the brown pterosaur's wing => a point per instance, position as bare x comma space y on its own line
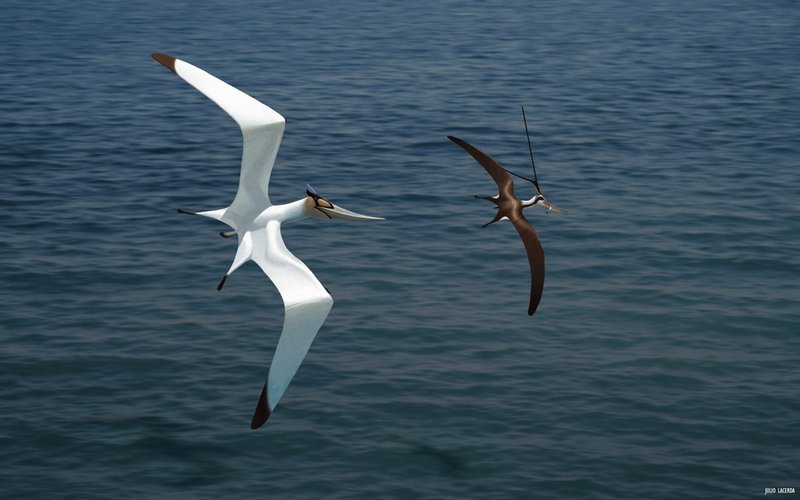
535, 252
505, 184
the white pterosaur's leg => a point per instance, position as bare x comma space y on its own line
243, 254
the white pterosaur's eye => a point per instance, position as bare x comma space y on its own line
322, 202
319, 201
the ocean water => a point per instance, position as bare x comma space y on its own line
663, 359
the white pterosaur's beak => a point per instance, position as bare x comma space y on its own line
317, 206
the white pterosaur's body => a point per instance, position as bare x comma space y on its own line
257, 223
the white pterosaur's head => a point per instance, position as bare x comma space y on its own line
317, 206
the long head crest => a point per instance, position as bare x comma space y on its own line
530, 150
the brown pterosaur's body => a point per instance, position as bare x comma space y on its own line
510, 207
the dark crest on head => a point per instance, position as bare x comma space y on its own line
320, 203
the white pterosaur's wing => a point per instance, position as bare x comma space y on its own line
262, 130
307, 305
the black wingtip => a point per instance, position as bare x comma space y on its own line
167, 61
532, 307
186, 212
222, 283
262, 412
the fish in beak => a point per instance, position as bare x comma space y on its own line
317, 206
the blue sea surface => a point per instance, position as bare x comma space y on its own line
663, 359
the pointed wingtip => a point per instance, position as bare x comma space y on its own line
534, 304
167, 61
222, 283
262, 412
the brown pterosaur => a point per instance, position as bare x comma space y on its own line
510, 208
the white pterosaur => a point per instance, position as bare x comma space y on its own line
257, 223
